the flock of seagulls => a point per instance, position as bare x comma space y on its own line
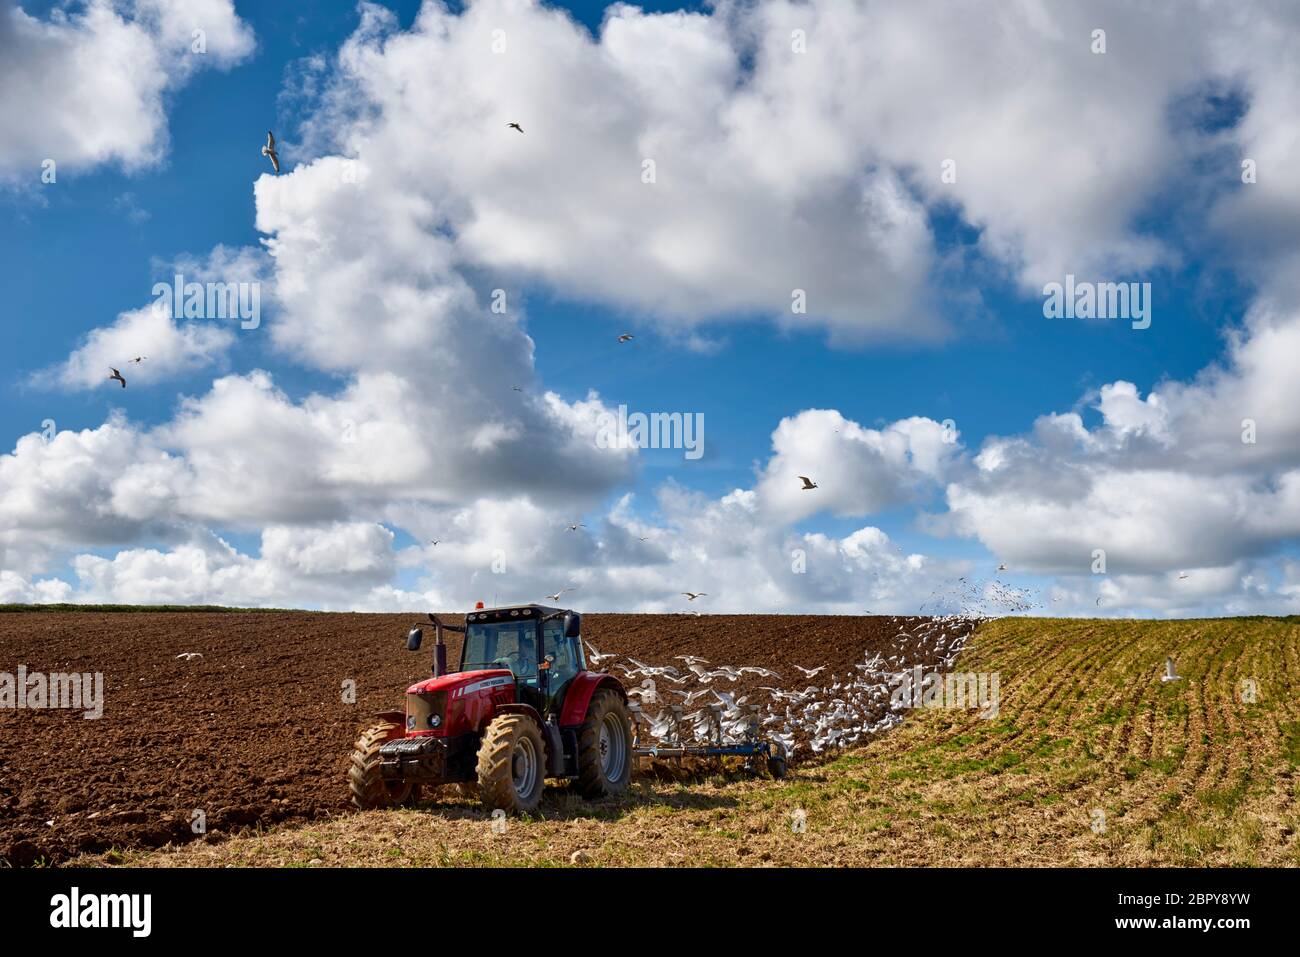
845, 710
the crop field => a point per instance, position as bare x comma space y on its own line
1090, 759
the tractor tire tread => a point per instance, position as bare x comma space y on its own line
591, 781
495, 787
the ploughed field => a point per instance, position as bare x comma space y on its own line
256, 732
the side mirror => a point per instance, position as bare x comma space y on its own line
572, 624
414, 639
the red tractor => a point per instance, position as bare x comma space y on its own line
521, 708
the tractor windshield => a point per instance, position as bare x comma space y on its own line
505, 644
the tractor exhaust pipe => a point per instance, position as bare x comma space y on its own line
440, 646
439, 652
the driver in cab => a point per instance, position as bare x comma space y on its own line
522, 658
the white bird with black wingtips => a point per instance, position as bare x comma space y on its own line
269, 151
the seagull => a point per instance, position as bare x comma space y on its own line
433, 541
625, 337
662, 726
596, 656
574, 528
810, 672
269, 151
645, 538
118, 377
1002, 568
692, 595
139, 359
1170, 673
691, 659
556, 596
1182, 575
187, 655
807, 483
514, 126
690, 697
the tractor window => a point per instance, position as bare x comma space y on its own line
501, 645
568, 655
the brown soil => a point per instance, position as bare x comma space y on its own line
256, 732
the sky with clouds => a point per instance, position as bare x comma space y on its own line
828, 227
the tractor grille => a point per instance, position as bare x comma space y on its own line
426, 711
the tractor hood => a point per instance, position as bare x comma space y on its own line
464, 682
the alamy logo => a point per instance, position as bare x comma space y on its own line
658, 430
915, 689
1098, 300
37, 691
210, 300
74, 909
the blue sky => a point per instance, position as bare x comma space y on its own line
81, 252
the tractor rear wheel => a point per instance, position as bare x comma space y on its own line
605, 747
369, 790
512, 764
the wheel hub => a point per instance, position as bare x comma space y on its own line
612, 747
523, 767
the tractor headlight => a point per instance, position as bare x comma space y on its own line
410, 722
435, 720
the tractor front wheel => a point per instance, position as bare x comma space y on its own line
369, 790
605, 747
512, 764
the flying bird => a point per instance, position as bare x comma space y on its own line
1171, 674
187, 655
556, 596
575, 527
810, 672
692, 595
433, 541
691, 659
595, 656
807, 483
1002, 568
1182, 575
626, 337
515, 126
117, 376
269, 151
139, 358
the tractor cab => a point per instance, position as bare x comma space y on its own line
540, 646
